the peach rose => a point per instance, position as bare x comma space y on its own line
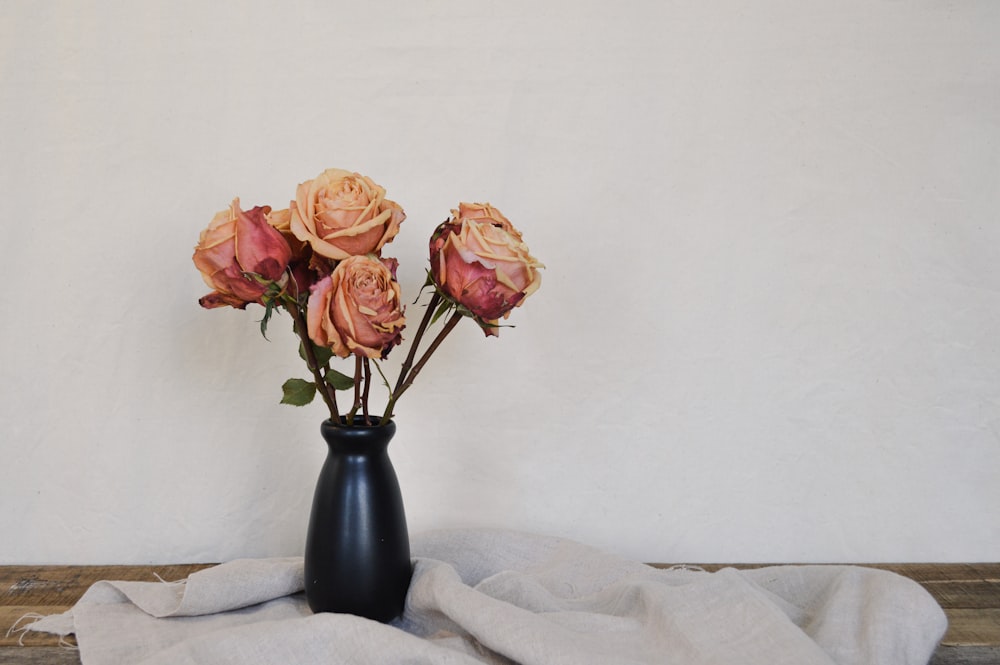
356, 309
236, 243
299, 265
282, 221
344, 214
479, 260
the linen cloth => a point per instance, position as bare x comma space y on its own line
500, 597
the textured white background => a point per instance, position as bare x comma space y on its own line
768, 330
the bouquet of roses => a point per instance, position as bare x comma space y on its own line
321, 261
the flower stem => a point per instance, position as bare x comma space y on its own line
412, 375
408, 363
357, 390
301, 328
364, 396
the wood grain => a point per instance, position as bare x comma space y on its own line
45, 655
45, 590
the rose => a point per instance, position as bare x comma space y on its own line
282, 221
236, 243
344, 214
356, 309
299, 265
479, 261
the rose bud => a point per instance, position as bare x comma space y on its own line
237, 242
342, 214
356, 309
479, 261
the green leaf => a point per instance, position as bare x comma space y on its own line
298, 392
268, 311
323, 354
339, 381
442, 309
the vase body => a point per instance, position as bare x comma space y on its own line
357, 557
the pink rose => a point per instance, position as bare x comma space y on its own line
344, 214
479, 260
299, 265
235, 243
356, 309
282, 221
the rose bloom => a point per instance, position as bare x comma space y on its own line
282, 221
344, 214
479, 260
238, 242
300, 264
356, 309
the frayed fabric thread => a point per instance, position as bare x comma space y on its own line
35, 618
35, 622
180, 582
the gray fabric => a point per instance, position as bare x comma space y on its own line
481, 596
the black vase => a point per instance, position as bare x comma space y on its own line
357, 558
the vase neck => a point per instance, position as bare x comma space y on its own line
357, 440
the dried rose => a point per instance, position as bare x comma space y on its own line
282, 221
479, 260
344, 214
235, 244
299, 265
356, 309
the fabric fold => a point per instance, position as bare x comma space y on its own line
500, 597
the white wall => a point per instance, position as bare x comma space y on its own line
768, 330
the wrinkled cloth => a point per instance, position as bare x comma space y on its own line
500, 597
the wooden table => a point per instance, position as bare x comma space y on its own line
969, 594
